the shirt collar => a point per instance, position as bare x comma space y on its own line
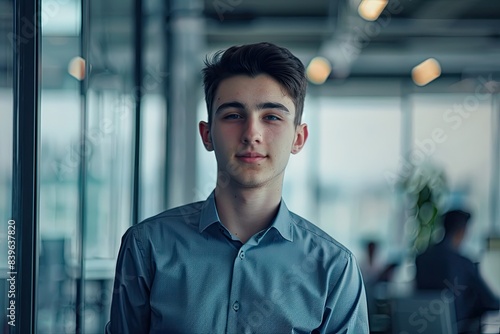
282, 222
209, 213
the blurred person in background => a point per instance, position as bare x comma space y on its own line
442, 267
377, 274
371, 265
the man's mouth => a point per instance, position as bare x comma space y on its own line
250, 157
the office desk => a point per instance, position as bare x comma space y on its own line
490, 271
100, 274
490, 323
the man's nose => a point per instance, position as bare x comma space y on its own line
252, 133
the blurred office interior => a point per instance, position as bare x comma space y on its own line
100, 100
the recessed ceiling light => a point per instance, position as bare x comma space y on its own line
318, 70
370, 10
426, 71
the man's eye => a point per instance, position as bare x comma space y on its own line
272, 118
232, 116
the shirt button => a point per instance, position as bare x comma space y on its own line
242, 255
236, 306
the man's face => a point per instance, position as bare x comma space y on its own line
252, 131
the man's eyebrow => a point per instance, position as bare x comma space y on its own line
233, 104
260, 106
273, 105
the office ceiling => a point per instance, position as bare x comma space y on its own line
463, 35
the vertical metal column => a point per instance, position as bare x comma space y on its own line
495, 167
138, 50
25, 185
167, 10
82, 175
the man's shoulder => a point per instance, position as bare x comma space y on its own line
443, 253
188, 214
463, 261
308, 230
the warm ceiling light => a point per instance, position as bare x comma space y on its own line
370, 10
318, 70
76, 68
426, 72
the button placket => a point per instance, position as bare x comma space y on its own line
234, 309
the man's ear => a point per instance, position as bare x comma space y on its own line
301, 134
206, 138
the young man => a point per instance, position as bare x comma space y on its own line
241, 262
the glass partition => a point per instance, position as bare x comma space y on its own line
60, 152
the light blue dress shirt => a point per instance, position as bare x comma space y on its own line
183, 272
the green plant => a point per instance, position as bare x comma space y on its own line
425, 189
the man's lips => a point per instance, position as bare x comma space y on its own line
250, 157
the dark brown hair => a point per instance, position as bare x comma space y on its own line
252, 60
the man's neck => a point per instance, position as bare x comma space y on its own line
244, 212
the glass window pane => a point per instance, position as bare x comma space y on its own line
454, 133
359, 143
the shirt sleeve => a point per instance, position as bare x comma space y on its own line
130, 308
346, 309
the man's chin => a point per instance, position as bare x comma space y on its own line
250, 182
